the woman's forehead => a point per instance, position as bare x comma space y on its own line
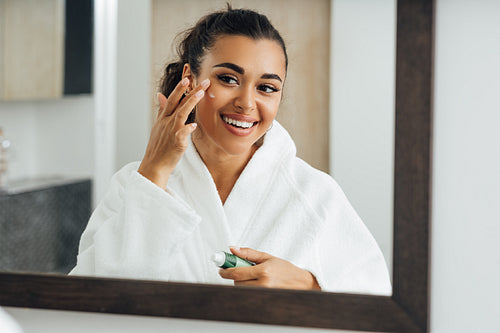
263, 55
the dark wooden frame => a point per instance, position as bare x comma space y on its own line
407, 310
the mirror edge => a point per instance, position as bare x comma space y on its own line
413, 165
407, 310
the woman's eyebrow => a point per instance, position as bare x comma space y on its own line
232, 66
271, 76
240, 70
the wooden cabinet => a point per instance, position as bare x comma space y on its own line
32, 42
45, 48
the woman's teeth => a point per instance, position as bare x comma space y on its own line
237, 123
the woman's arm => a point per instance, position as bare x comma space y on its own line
139, 227
136, 231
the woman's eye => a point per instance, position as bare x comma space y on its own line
267, 89
227, 79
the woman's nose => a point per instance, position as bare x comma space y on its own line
245, 100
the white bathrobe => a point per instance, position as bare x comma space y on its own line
279, 205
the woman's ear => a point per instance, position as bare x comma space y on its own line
186, 72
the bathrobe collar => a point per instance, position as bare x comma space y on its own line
250, 189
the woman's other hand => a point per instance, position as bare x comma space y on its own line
269, 271
169, 135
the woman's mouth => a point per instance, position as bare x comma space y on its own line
238, 123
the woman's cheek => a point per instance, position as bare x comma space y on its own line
270, 109
210, 94
216, 98
207, 103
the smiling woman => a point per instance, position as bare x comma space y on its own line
230, 177
246, 100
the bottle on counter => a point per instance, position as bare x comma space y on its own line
4, 158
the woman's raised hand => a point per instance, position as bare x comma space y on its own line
269, 271
169, 136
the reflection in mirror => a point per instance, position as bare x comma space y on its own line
46, 53
306, 127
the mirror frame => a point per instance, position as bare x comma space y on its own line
407, 310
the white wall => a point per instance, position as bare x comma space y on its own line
362, 111
465, 267
45, 321
133, 80
466, 190
17, 120
65, 136
50, 137
122, 81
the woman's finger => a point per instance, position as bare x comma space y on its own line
188, 103
249, 283
175, 97
162, 101
250, 254
181, 137
240, 273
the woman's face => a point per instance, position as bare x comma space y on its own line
246, 81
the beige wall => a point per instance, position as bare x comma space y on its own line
305, 27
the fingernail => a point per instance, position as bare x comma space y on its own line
200, 93
237, 248
184, 81
205, 83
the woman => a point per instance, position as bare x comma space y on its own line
219, 170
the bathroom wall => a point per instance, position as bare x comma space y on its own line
50, 137
122, 86
18, 121
466, 220
133, 90
362, 95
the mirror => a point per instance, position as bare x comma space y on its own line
406, 310
307, 87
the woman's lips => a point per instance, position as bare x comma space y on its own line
238, 124
240, 117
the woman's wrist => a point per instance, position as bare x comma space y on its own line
155, 175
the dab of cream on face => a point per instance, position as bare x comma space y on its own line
211, 95
229, 260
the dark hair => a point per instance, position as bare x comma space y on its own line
197, 40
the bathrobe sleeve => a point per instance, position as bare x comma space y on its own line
347, 257
137, 231
351, 260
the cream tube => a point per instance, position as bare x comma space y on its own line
229, 260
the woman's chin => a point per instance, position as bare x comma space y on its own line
238, 149
241, 147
